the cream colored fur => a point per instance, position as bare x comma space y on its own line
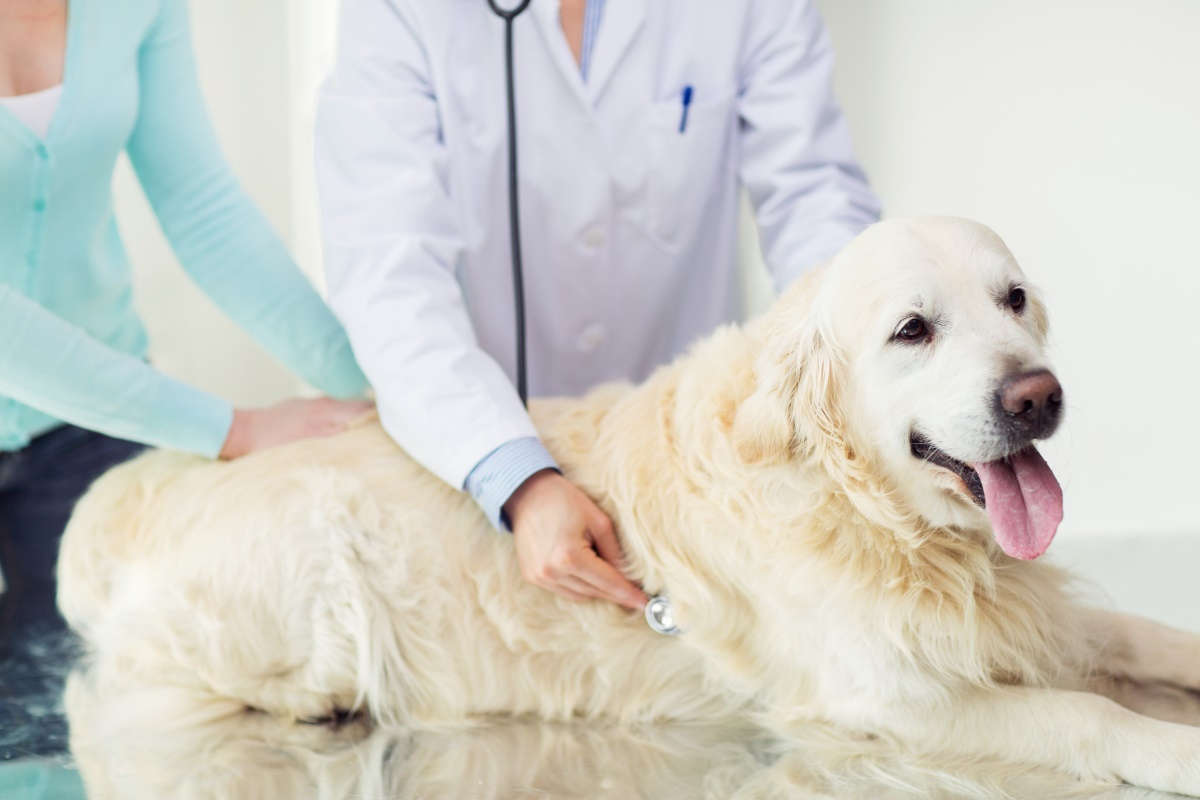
823, 576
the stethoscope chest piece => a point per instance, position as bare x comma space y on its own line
660, 617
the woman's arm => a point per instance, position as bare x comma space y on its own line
221, 238
55, 367
51, 365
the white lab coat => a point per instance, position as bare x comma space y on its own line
629, 225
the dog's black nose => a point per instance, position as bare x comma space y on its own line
1032, 403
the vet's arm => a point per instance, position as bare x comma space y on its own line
392, 246
809, 193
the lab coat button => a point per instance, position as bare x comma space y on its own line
595, 238
43, 153
591, 337
39, 205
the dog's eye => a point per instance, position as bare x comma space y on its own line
1016, 299
913, 330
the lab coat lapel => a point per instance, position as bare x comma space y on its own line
550, 26
623, 20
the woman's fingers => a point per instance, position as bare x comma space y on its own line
290, 421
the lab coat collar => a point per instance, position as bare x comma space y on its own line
619, 28
622, 22
546, 14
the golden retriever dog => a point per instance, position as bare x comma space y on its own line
842, 499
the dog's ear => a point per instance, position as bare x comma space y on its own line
820, 416
763, 428
795, 397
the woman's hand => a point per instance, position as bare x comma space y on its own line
566, 544
289, 421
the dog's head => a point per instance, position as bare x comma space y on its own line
917, 373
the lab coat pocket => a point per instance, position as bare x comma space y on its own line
691, 157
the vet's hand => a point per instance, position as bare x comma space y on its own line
566, 544
289, 421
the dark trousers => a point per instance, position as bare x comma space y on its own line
39, 486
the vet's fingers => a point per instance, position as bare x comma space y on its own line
605, 540
609, 549
608, 583
578, 588
577, 591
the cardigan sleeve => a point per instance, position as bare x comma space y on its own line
220, 237
54, 366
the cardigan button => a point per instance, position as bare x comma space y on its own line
39, 205
42, 152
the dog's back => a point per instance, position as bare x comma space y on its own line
336, 574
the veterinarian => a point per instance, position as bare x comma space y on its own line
76, 393
639, 123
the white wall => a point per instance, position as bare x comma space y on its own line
1069, 126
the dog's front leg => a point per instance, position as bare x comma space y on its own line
1080, 733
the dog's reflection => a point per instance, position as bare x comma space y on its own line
148, 752
248, 755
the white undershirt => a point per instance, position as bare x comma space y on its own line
35, 110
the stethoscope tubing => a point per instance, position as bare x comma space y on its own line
514, 205
508, 16
658, 612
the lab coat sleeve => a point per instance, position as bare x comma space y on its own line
393, 244
221, 238
809, 193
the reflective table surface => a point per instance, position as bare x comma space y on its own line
253, 756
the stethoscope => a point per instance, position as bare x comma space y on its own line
658, 611
514, 206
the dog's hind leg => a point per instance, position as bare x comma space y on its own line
1146, 652
1158, 700
141, 742
1080, 733
1147, 667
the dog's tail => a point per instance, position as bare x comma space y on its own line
107, 531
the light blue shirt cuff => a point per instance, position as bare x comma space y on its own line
501, 472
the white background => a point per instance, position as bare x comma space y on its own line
1072, 127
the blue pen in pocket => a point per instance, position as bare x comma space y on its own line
687, 103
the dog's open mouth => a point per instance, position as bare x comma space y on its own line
1022, 497
924, 449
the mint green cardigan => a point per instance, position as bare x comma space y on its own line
71, 345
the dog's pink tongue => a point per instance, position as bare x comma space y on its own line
1024, 502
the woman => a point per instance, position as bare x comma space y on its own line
79, 83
